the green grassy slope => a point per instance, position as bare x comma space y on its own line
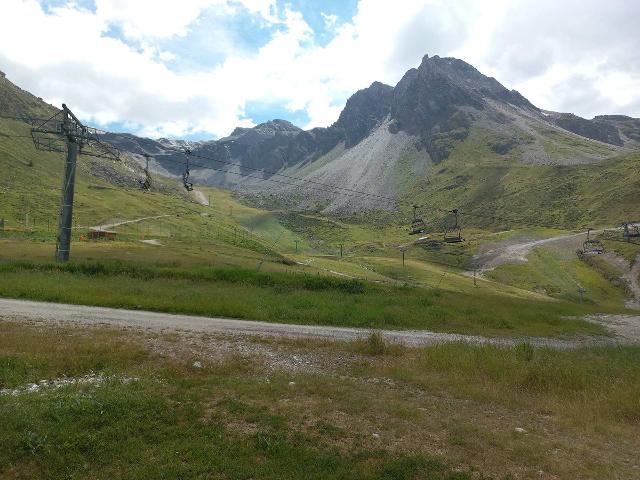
30, 187
500, 192
229, 233
232, 234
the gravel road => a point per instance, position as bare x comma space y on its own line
626, 328
633, 276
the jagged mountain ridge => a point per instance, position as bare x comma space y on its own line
437, 105
421, 137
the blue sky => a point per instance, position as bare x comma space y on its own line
248, 32
196, 69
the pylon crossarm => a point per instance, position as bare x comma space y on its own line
96, 148
51, 134
49, 143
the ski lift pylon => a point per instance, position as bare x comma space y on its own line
185, 176
146, 183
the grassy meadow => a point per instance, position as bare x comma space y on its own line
500, 192
291, 298
361, 410
437, 291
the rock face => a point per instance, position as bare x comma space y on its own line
437, 101
250, 137
363, 112
596, 129
628, 128
263, 146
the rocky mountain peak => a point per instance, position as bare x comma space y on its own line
460, 74
262, 132
364, 110
439, 100
435, 107
277, 126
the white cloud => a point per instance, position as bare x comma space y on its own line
150, 18
166, 56
159, 19
576, 65
330, 21
581, 56
364, 50
107, 80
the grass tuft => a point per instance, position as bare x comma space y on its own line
376, 344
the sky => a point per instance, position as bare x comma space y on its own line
196, 69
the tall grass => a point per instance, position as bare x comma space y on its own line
594, 384
210, 274
289, 298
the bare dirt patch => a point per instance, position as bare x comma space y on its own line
633, 277
515, 250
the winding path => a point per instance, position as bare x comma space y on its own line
515, 251
633, 277
107, 226
626, 328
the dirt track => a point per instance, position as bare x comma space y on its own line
633, 277
626, 328
516, 250
107, 226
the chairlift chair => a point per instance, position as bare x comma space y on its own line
631, 229
448, 237
417, 224
592, 246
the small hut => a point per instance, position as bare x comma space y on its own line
102, 235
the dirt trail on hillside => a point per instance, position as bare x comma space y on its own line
107, 226
200, 198
516, 250
630, 274
625, 328
633, 277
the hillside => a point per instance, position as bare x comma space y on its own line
15, 101
108, 193
444, 137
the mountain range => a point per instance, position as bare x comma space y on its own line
445, 135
